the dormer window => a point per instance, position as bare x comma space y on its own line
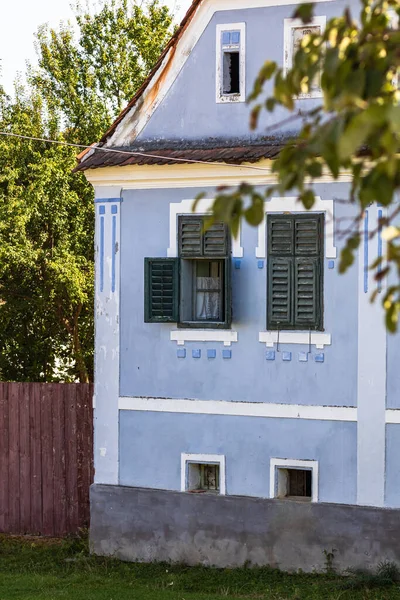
231, 63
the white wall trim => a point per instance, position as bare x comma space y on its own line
240, 409
183, 175
290, 24
184, 207
269, 338
220, 96
392, 416
292, 463
227, 336
371, 371
291, 204
139, 115
208, 459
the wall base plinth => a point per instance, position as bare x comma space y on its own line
147, 525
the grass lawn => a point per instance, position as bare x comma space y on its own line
35, 569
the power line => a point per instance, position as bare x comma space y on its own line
131, 152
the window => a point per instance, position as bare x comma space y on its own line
193, 290
230, 63
203, 478
295, 31
295, 484
295, 272
294, 479
203, 473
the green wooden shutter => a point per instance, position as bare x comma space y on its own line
279, 292
161, 290
216, 240
190, 234
308, 235
280, 236
307, 309
228, 292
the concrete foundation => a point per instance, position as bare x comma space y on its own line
227, 531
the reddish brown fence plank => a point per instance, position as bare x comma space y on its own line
46, 457
14, 499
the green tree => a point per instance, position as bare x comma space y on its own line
85, 75
355, 129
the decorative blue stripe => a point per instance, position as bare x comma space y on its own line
113, 252
101, 253
101, 200
379, 248
366, 252
102, 210
114, 210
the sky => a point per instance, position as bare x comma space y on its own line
19, 23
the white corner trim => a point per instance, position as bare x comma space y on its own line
184, 207
289, 463
208, 459
227, 336
138, 116
289, 25
239, 409
291, 204
392, 416
269, 338
220, 96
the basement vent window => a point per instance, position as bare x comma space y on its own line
231, 63
295, 484
294, 479
203, 473
203, 478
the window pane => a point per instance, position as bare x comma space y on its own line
226, 38
231, 73
208, 285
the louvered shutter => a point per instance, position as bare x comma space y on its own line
190, 236
279, 292
161, 290
280, 236
307, 309
217, 240
307, 236
228, 292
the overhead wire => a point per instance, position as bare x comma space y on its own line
132, 152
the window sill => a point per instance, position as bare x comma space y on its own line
180, 336
318, 339
231, 98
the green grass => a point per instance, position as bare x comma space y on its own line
35, 569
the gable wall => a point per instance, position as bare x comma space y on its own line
190, 110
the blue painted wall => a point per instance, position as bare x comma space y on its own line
149, 363
392, 482
190, 111
151, 445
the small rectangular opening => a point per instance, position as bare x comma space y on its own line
203, 478
295, 484
231, 73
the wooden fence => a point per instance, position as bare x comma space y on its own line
46, 457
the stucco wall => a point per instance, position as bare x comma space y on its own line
149, 363
151, 445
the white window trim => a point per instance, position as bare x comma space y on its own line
317, 339
289, 463
289, 24
180, 336
241, 97
291, 204
207, 459
184, 207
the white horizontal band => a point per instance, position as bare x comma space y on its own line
242, 409
295, 337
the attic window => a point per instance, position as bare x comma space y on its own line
294, 32
230, 63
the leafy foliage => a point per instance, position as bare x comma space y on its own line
46, 211
355, 129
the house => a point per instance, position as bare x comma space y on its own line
246, 394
